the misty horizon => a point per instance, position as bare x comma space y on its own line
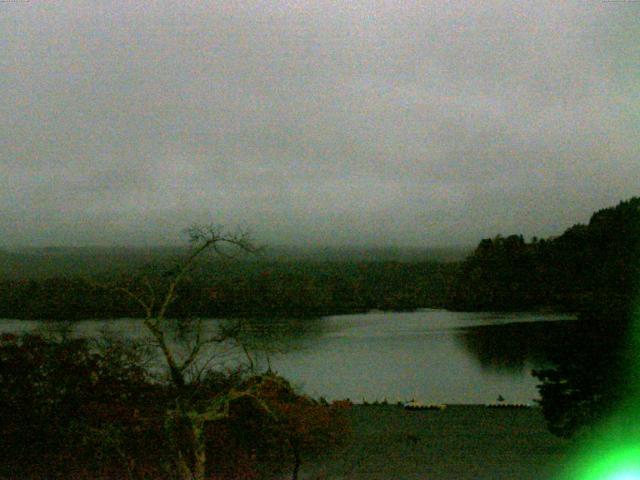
314, 123
181, 242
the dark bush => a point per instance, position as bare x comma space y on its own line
70, 408
67, 408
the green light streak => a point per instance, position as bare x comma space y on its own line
625, 475
612, 451
617, 463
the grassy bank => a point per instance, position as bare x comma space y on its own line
457, 443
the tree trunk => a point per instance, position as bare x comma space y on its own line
193, 465
184, 471
199, 452
297, 461
190, 446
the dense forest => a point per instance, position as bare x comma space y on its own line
587, 267
242, 289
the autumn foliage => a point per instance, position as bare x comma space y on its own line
69, 409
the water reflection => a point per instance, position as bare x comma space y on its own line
515, 347
433, 355
261, 339
282, 335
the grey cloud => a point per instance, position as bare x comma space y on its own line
368, 121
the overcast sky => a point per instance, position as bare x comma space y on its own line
314, 121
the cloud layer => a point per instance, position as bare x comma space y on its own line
314, 121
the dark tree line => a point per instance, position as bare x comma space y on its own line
244, 289
593, 270
585, 268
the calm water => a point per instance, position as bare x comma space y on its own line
430, 355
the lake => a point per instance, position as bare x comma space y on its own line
434, 356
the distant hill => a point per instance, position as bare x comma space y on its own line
47, 262
369, 254
35, 263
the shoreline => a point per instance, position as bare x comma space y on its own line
459, 442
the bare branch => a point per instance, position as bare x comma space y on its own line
152, 292
116, 288
168, 299
201, 369
155, 299
195, 350
249, 357
147, 308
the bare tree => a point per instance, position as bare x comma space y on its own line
155, 297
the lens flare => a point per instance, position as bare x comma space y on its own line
622, 464
626, 475
612, 451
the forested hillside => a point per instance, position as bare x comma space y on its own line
590, 269
588, 266
247, 289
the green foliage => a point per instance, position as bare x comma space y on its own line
592, 372
498, 276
